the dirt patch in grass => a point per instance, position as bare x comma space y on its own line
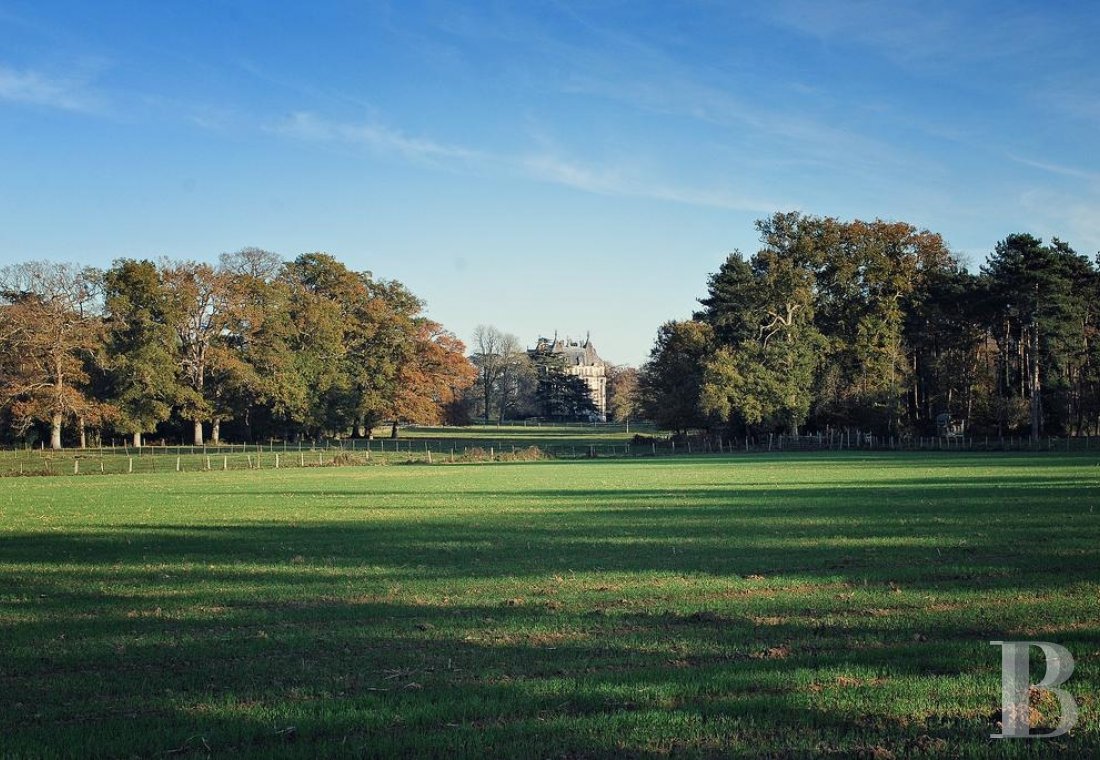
781, 652
770, 592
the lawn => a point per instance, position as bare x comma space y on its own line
797, 605
474, 442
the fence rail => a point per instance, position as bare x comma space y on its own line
351, 452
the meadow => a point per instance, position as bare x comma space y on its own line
816, 604
414, 444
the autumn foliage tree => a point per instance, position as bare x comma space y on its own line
435, 375
301, 348
52, 331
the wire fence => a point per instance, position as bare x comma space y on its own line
839, 440
126, 460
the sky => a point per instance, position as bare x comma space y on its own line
539, 166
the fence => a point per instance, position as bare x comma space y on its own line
839, 440
224, 457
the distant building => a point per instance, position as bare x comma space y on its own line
580, 359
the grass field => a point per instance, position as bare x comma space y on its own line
818, 604
533, 434
417, 444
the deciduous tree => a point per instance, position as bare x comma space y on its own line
140, 347
53, 329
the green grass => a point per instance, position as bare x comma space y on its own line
784, 606
533, 434
445, 444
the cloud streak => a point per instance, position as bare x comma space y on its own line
34, 88
616, 182
1062, 171
303, 125
542, 166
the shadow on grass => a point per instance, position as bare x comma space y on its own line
707, 620
1022, 532
275, 678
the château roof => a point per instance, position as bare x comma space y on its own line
577, 353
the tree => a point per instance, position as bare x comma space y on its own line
560, 395
384, 360
860, 275
391, 355
53, 330
622, 393
307, 346
433, 377
367, 331
198, 309
946, 332
669, 384
315, 393
1040, 295
515, 370
141, 362
764, 370
865, 273
258, 371
732, 302
502, 369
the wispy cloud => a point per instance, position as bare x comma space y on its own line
541, 166
647, 74
303, 125
1063, 171
928, 36
618, 182
35, 88
787, 134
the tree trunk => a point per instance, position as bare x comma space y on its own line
198, 432
83, 432
393, 430
1036, 392
55, 431
137, 439
216, 432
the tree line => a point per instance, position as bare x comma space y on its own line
878, 326
265, 347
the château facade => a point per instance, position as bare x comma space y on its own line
581, 360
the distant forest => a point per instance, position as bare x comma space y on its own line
877, 326
831, 325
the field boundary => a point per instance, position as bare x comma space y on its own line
123, 460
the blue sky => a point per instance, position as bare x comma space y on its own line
538, 166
